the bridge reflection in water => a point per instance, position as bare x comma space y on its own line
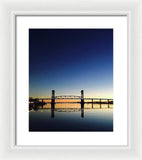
71, 117
39, 103
53, 109
53, 113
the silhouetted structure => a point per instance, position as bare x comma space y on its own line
40, 101
92, 103
100, 103
53, 99
82, 99
108, 103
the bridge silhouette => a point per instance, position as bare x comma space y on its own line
82, 99
67, 97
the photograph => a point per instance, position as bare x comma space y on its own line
71, 80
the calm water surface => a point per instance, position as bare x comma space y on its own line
70, 117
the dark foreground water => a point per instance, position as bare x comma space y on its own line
70, 117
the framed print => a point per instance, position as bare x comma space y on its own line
70, 79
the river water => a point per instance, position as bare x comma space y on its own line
71, 118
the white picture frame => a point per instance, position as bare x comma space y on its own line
119, 136
7, 61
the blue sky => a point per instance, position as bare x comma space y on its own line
69, 60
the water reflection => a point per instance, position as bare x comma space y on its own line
36, 108
55, 107
52, 112
82, 112
65, 110
71, 117
68, 105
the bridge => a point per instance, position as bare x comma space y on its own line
67, 97
81, 98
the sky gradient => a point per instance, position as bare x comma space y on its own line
69, 60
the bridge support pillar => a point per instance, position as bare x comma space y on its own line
108, 103
82, 98
53, 99
35, 102
42, 104
92, 103
100, 103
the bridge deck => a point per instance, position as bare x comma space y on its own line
72, 98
